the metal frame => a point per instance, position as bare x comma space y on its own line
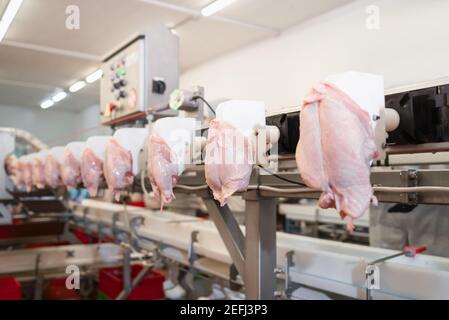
260, 247
316, 263
254, 254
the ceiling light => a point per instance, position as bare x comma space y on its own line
47, 104
8, 16
215, 6
77, 86
59, 96
94, 76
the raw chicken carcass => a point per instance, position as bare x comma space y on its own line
335, 150
19, 181
27, 170
162, 169
117, 167
91, 171
70, 170
38, 172
13, 168
52, 172
229, 160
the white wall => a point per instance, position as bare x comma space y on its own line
89, 123
411, 46
54, 127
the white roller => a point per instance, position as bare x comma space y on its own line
392, 119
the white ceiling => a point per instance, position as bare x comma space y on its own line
39, 55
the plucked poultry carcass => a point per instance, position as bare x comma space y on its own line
229, 160
70, 170
13, 168
117, 167
91, 171
162, 169
335, 150
38, 171
27, 171
52, 171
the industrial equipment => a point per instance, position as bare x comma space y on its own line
255, 259
139, 76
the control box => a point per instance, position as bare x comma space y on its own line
139, 76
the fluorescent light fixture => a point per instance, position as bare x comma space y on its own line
8, 16
47, 104
94, 76
215, 6
77, 86
59, 96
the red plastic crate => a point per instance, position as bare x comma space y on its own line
47, 244
150, 288
10, 289
56, 290
140, 204
84, 238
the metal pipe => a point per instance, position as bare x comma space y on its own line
418, 148
127, 286
137, 280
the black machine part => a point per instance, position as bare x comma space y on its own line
424, 115
288, 124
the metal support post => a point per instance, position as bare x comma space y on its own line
127, 270
230, 232
115, 231
137, 280
260, 247
39, 279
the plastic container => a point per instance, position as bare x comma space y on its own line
56, 290
110, 284
84, 237
47, 244
10, 289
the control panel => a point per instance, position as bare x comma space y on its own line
122, 87
139, 76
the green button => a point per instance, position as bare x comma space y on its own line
122, 71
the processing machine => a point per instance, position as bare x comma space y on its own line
252, 260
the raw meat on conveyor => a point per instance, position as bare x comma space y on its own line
70, 170
118, 166
52, 172
27, 169
335, 150
229, 160
19, 175
14, 170
38, 172
91, 171
162, 169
